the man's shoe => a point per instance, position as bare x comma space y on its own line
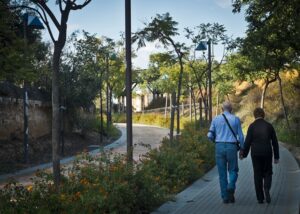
268, 197
230, 193
260, 201
225, 201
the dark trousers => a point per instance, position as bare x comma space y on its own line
262, 167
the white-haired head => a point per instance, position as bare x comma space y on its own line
227, 106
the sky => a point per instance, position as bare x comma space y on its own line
107, 18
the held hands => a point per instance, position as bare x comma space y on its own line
241, 154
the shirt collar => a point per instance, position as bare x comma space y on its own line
226, 112
259, 118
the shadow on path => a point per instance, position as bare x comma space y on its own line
204, 195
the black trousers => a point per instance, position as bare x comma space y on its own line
262, 167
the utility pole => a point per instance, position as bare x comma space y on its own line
128, 80
209, 82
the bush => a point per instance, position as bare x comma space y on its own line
291, 136
107, 184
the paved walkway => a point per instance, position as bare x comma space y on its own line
204, 195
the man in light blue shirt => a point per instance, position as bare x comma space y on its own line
226, 150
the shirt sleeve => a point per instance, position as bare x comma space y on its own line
248, 141
240, 133
212, 131
275, 144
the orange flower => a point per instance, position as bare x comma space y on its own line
29, 188
84, 181
77, 195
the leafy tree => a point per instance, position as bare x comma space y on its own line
243, 69
214, 34
153, 76
80, 71
46, 14
198, 82
272, 36
162, 28
21, 57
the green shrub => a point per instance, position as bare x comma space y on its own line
291, 136
107, 184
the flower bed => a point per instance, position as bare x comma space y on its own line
107, 184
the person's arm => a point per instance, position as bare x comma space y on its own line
248, 141
275, 144
212, 132
240, 133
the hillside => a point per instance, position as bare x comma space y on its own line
248, 96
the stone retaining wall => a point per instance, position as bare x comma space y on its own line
11, 118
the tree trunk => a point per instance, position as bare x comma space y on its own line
217, 108
107, 92
190, 107
200, 109
58, 46
123, 103
228, 97
205, 101
55, 114
170, 98
173, 101
101, 112
282, 102
166, 106
110, 106
263, 94
178, 95
194, 103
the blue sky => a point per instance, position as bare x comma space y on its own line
106, 18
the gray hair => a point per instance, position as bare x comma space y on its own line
227, 106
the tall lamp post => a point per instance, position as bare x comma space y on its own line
128, 80
202, 46
32, 22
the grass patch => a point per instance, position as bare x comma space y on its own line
156, 119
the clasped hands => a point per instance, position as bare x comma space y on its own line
241, 155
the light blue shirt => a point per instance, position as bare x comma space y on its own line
220, 132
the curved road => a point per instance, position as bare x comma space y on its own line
144, 138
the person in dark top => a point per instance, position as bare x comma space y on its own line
262, 140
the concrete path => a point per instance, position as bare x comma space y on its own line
144, 138
204, 195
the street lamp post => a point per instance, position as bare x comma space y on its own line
209, 82
33, 22
128, 80
107, 92
202, 46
